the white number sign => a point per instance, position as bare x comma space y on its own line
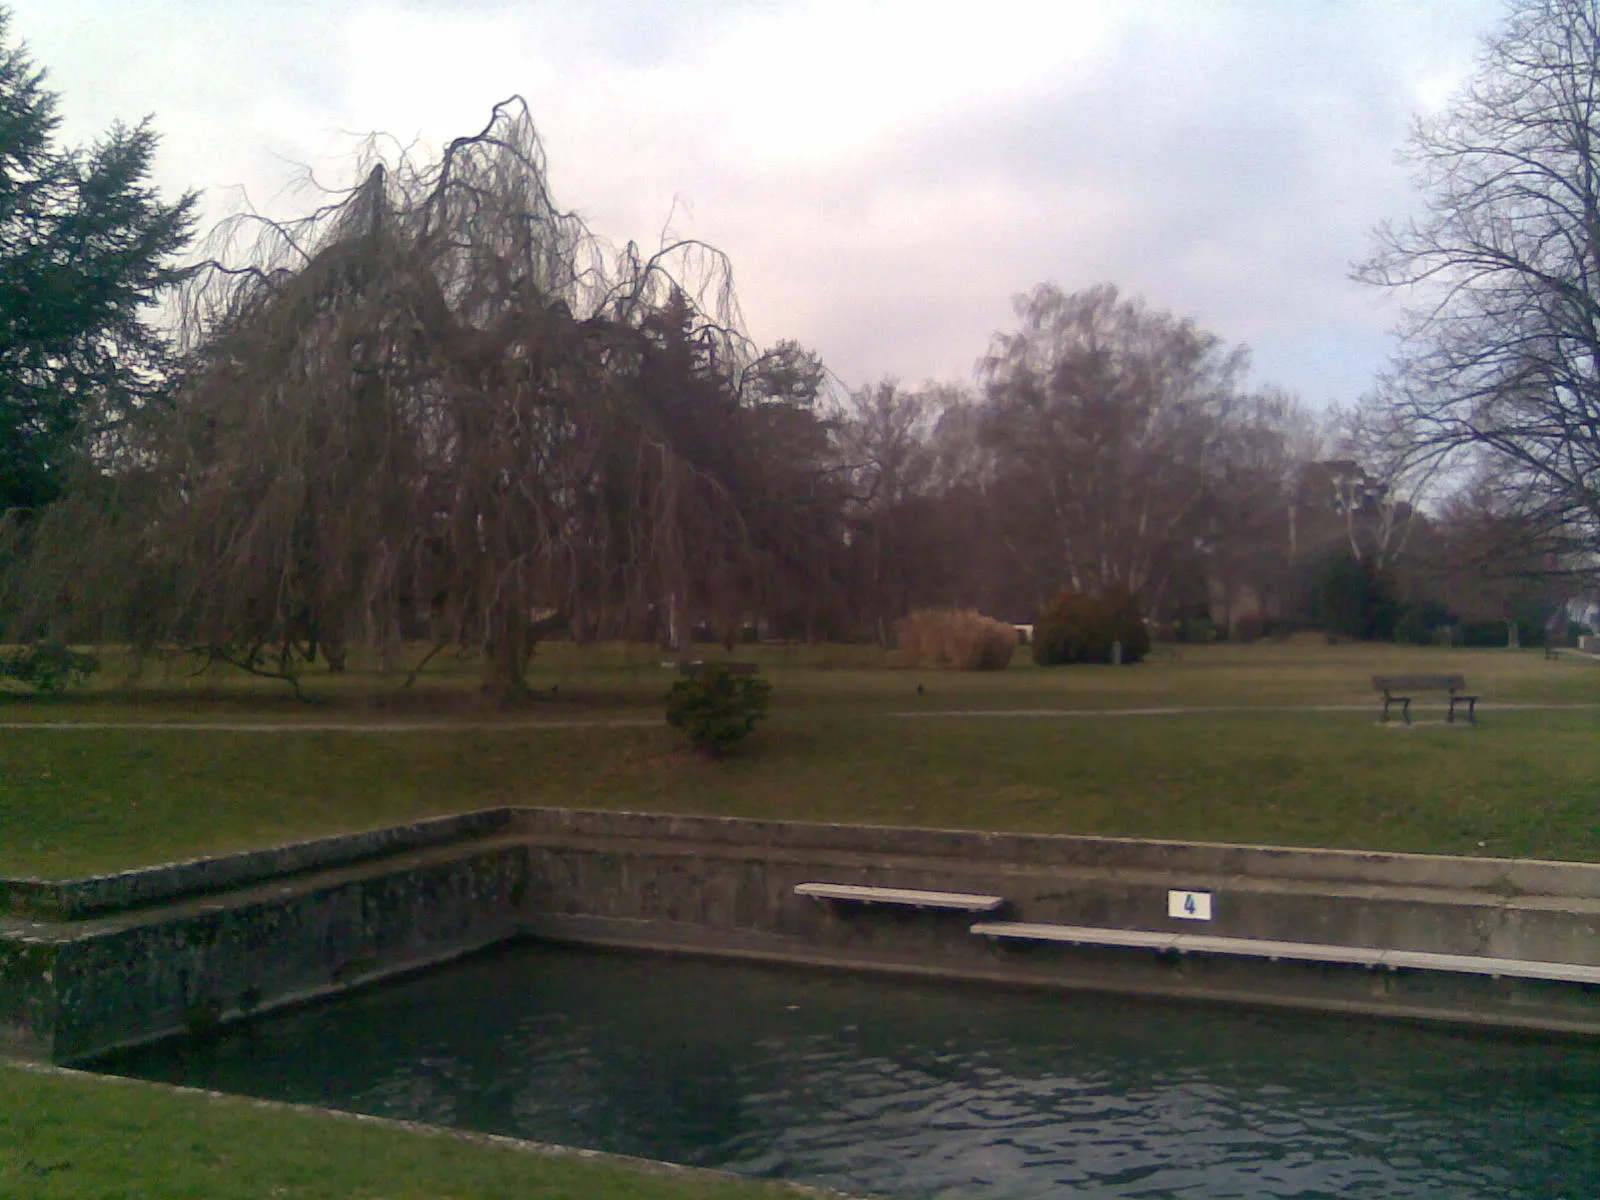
1189, 906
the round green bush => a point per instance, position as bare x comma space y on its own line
1079, 628
715, 708
48, 667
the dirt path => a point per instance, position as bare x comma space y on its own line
447, 726
340, 726
1196, 710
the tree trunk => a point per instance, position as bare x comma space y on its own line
333, 649
392, 656
509, 649
506, 651
680, 629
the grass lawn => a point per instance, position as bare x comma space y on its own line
1257, 763
1266, 768
573, 681
150, 1141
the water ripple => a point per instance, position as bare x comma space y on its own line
921, 1091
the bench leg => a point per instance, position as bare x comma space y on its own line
1406, 709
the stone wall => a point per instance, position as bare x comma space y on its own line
726, 887
77, 988
89, 967
121, 890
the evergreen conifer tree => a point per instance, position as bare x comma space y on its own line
86, 247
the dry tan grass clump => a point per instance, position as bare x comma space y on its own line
954, 639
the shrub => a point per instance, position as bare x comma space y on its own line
956, 639
1356, 598
1496, 633
1078, 628
48, 667
715, 708
1421, 622
1247, 629
1065, 629
1481, 633
1121, 608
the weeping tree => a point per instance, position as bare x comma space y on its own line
439, 402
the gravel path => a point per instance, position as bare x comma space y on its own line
1199, 709
340, 726
653, 722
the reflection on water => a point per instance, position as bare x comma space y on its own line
870, 1085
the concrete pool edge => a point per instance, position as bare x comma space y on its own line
117, 891
71, 988
604, 936
1499, 875
74, 897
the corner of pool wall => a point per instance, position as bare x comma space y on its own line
196, 945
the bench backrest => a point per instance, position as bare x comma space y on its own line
1419, 683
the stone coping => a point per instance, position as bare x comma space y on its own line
69, 899
1508, 877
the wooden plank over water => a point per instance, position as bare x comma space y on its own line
1078, 935
902, 897
1362, 956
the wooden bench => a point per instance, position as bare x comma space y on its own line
1400, 689
855, 893
1315, 952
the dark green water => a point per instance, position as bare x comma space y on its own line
919, 1090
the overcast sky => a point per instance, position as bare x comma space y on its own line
885, 177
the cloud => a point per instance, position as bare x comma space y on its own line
883, 176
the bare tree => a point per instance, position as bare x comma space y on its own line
438, 403
885, 442
1245, 549
1489, 563
1382, 474
1502, 351
1107, 421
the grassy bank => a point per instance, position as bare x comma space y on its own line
570, 681
1264, 768
1260, 752
150, 1141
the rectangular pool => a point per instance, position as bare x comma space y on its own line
913, 1089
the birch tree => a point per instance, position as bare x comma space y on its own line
1106, 421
